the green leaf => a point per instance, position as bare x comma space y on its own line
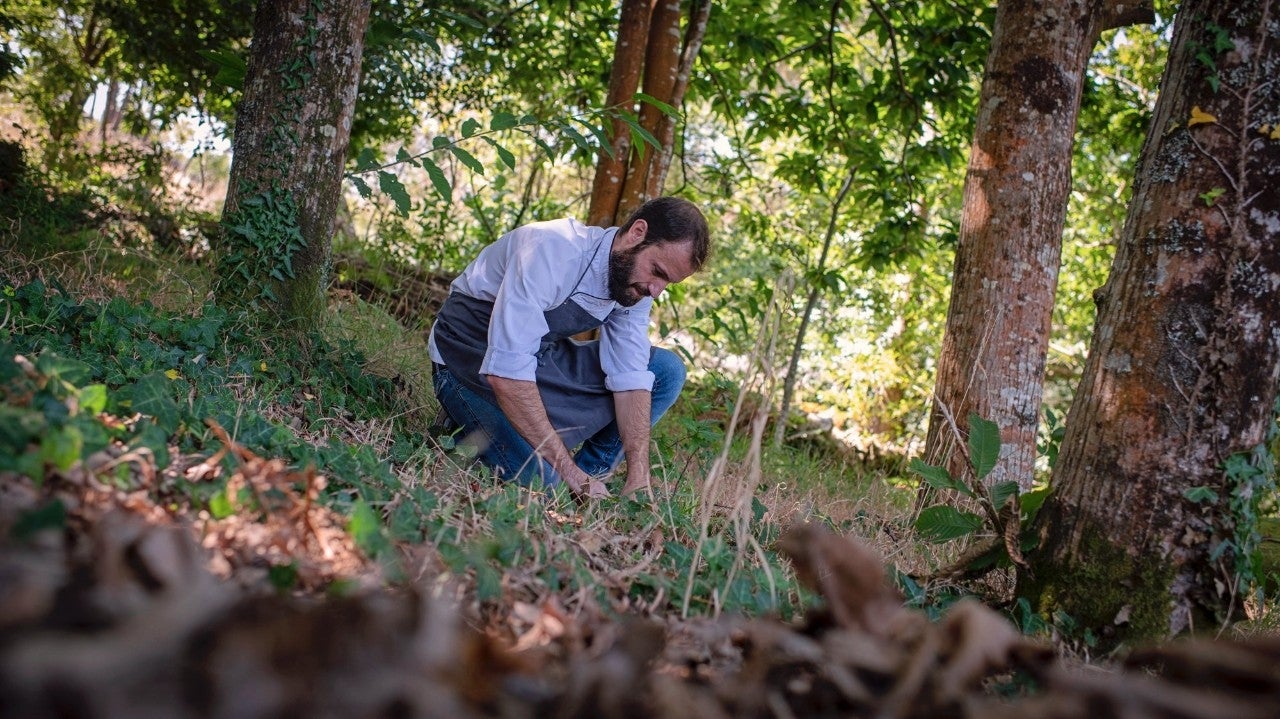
1201, 495
1002, 491
1032, 501
366, 160
467, 159
62, 447
18, 427
283, 577
637, 141
941, 523
390, 185
504, 154
577, 137
402, 155
154, 439
547, 149
984, 444
469, 127
938, 477
438, 180
63, 370
93, 399
666, 109
637, 130
51, 515
488, 582
220, 506
361, 186
1212, 196
152, 396
366, 529
602, 139
502, 120
231, 68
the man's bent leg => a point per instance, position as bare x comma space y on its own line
488, 431
602, 452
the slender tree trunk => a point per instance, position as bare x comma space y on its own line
1184, 360
695, 31
624, 80
648, 38
292, 131
661, 69
793, 365
1006, 270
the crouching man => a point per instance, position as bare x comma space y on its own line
507, 371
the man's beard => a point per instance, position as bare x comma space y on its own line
622, 265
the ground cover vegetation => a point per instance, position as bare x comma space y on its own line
162, 360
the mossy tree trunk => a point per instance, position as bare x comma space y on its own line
292, 131
1015, 198
1139, 538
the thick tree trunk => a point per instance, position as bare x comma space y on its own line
1183, 366
290, 147
1015, 198
624, 80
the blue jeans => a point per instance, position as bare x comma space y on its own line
496, 442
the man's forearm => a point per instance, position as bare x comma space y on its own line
520, 401
633, 408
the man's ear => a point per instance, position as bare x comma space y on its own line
635, 235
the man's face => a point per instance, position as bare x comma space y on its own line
645, 271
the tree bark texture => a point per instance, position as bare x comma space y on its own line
292, 130
635, 174
1183, 364
695, 31
661, 69
1015, 198
624, 80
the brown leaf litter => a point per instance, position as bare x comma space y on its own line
116, 615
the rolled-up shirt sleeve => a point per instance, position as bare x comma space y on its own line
624, 348
531, 285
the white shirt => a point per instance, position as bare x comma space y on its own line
535, 268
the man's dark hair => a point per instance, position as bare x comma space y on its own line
673, 220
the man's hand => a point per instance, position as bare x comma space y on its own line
635, 484
583, 485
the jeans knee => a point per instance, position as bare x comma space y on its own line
669, 375
667, 368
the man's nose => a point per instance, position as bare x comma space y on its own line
656, 287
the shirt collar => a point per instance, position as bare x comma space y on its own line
596, 280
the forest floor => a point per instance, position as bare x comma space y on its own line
286, 549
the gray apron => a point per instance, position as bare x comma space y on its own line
569, 375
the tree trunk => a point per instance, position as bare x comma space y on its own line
666, 131
1182, 370
624, 80
1015, 198
661, 68
290, 147
793, 364
648, 38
